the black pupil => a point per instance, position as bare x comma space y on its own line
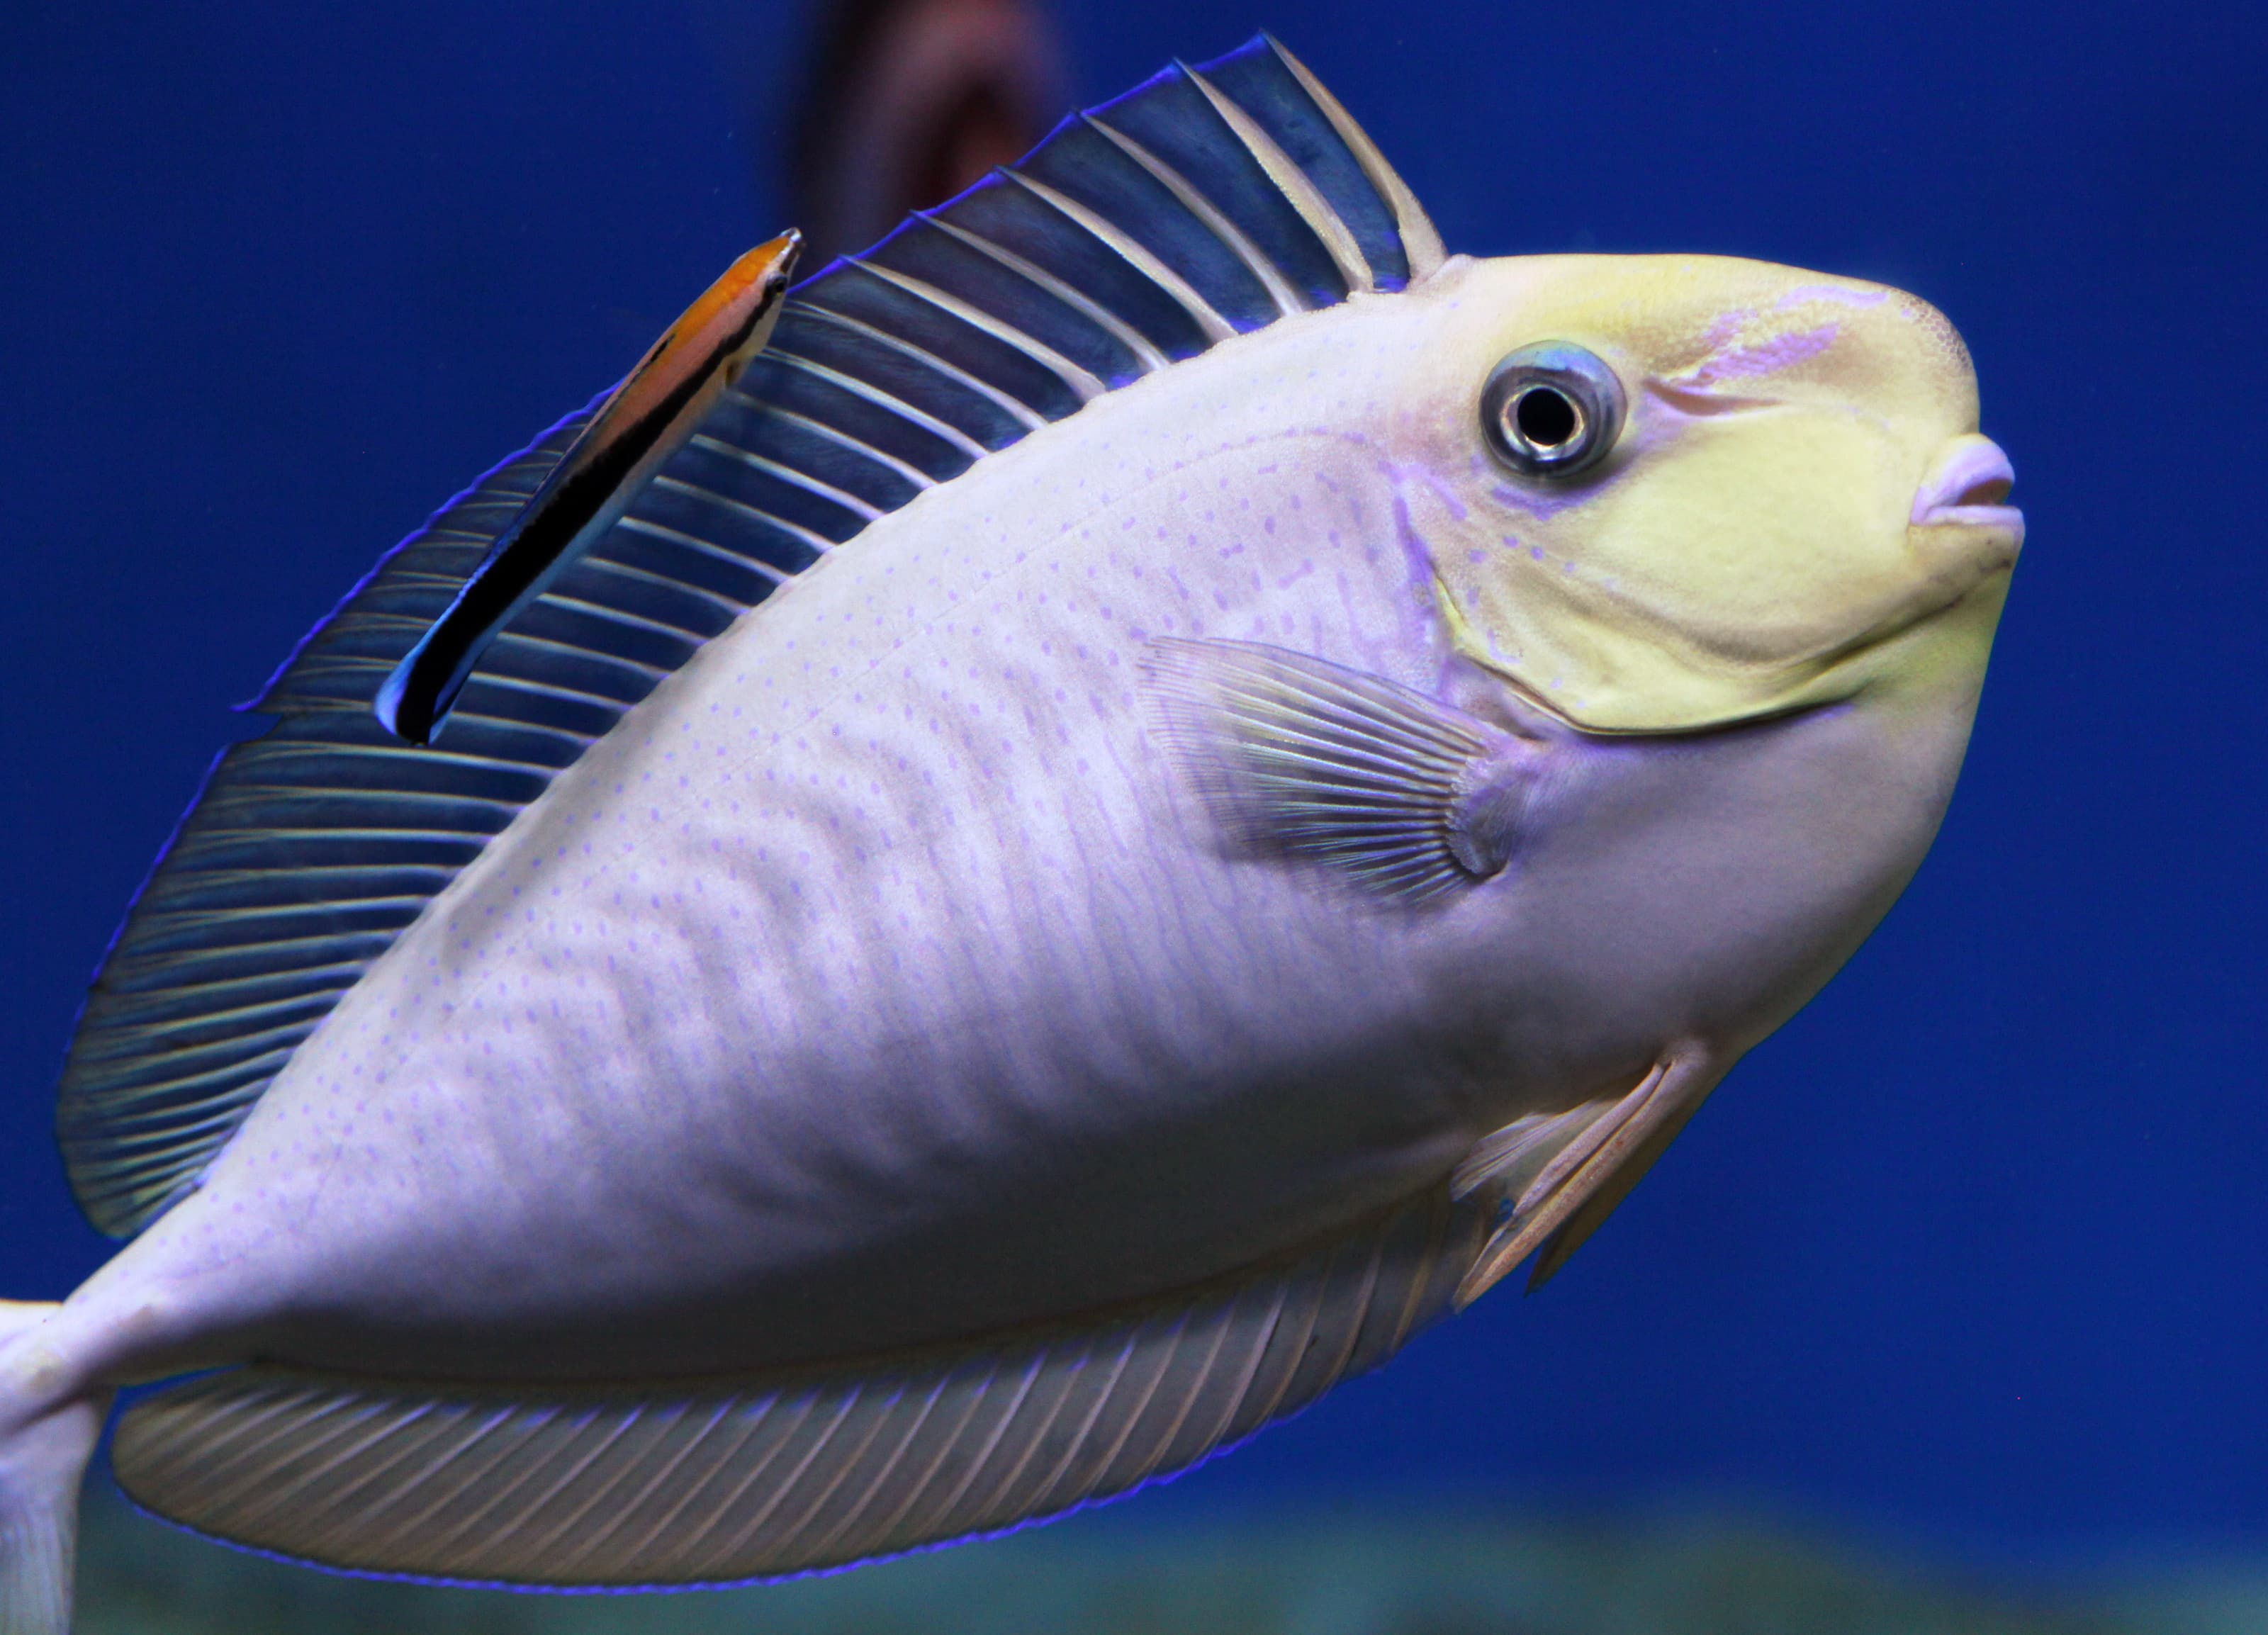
1545, 417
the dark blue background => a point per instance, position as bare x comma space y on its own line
1975, 1250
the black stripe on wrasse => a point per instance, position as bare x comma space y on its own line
585, 494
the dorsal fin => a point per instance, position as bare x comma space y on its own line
1205, 203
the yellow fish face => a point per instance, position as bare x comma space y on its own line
1672, 492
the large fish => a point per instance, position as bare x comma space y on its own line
1171, 783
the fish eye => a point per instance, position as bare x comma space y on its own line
1551, 410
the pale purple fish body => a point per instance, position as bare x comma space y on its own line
1124, 937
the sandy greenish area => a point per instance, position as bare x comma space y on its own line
1340, 1573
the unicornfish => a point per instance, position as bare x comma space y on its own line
1164, 782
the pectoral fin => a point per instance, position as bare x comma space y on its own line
1404, 796
1596, 1154
646, 420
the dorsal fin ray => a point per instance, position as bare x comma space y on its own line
1077, 270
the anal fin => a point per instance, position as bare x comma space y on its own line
713, 1482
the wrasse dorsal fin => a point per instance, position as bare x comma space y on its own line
707, 1482
1404, 796
308, 851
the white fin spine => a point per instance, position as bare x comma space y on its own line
1293, 183
1508, 1159
1134, 252
795, 531
692, 542
808, 483
1421, 241
1287, 299
881, 399
912, 475
1083, 383
1125, 333
1014, 408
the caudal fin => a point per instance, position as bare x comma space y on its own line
44, 1447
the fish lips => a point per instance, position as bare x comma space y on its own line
1966, 489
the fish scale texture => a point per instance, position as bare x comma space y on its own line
1206, 203
793, 1473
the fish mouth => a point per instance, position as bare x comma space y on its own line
1967, 487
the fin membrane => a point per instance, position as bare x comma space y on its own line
1404, 796
1555, 1178
718, 1483
1207, 203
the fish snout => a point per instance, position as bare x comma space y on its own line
1967, 487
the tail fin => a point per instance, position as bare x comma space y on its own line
44, 1447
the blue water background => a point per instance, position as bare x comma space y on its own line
1976, 1251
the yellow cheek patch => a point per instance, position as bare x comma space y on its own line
1749, 535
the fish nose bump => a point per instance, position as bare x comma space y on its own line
1968, 482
